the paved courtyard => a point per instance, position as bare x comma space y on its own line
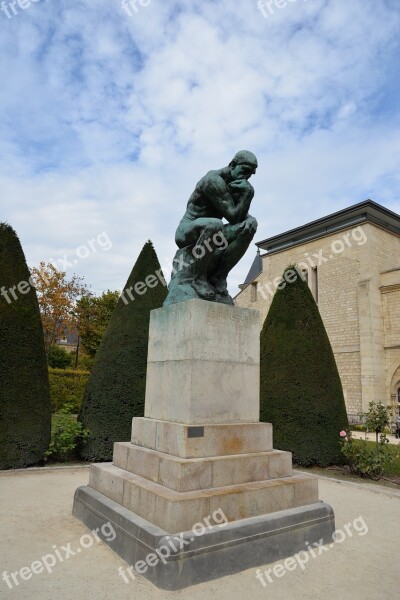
36, 521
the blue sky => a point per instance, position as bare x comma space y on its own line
108, 120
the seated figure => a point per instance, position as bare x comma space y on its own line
208, 247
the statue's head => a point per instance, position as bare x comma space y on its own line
243, 165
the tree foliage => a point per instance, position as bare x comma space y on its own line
25, 409
58, 295
116, 388
94, 313
377, 418
301, 391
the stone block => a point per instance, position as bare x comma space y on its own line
190, 474
175, 511
203, 364
214, 440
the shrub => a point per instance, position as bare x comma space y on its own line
85, 362
300, 389
59, 358
358, 428
25, 408
66, 433
377, 418
116, 388
366, 460
67, 388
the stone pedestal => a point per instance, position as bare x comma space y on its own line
203, 364
201, 451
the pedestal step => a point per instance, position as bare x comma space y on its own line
179, 511
190, 474
219, 551
187, 441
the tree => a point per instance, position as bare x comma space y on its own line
94, 313
25, 407
300, 388
377, 418
116, 388
58, 296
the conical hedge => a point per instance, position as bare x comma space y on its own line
300, 389
25, 407
116, 388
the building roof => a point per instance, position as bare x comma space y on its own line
255, 269
367, 211
70, 338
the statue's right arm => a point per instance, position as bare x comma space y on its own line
215, 189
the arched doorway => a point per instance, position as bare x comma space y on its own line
395, 386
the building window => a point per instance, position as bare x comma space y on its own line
314, 283
398, 395
253, 292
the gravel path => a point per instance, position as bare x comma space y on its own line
36, 520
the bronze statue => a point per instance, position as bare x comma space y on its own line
209, 248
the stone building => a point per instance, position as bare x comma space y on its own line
351, 260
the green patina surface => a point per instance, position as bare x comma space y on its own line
208, 247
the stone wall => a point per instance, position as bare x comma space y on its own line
348, 265
390, 289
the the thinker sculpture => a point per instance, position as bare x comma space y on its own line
209, 248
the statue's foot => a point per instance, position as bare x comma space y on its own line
220, 286
203, 289
226, 299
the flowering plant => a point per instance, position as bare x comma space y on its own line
363, 459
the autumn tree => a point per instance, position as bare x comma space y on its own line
93, 314
58, 296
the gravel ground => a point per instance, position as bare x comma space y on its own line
36, 520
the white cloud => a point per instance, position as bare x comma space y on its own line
108, 120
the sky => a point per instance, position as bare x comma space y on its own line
111, 113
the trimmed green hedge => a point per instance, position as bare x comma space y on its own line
67, 388
116, 388
25, 409
300, 389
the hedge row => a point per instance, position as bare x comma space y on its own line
25, 412
67, 388
300, 388
116, 389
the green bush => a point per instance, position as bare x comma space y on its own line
358, 428
66, 433
300, 389
67, 388
377, 418
59, 358
25, 409
367, 460
116, 388
85, 362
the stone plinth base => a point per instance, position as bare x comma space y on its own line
203, 364
199, 451
175, 562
